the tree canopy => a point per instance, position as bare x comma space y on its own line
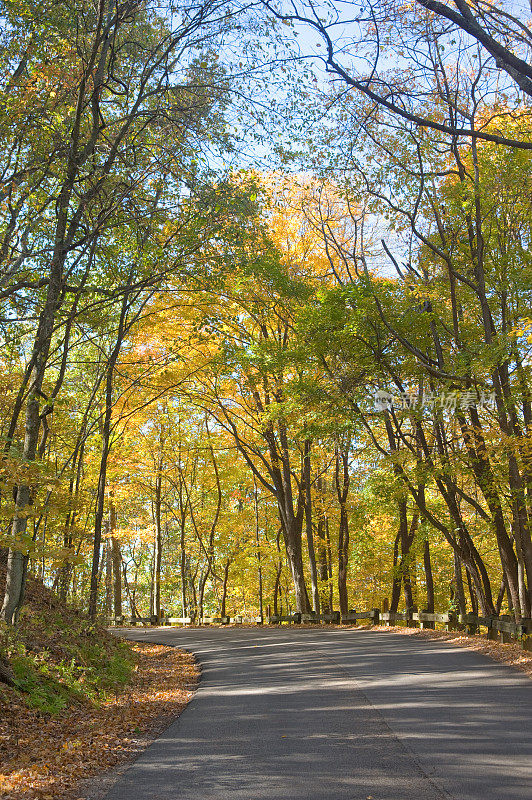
264, 301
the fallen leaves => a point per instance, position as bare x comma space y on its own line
46, 757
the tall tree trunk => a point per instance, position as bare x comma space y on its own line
292, 540
458, 537
277, 587
330, 563
472, 593
323, 567
342, 480
397, 580
183, 568
210, 544
404, 540
193, 594
17, 561
130, 594
224, 588
508, 595
106, 446
201, 593
459, 585
183, 510
257, 547
306, 470
407, 541
64, 233
277, 583
524, 597
64, 574
152, 587
157, 547
116, 559
106, 559
500, 598
429, 580
290, 513
486, 479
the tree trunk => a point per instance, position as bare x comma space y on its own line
401, 574
106, 445
484, 474
64, 574
17, 562
524, 598
183, 568
130, 594
407, 539
306, 470
342, 480
500, 598
323, 567
292, 540
152, 588
396, 577
224, 588
330, 564
343, 542
258, 548
157, 547
459, 586
107, 606
201, 592
116, 559
429, 580
193, 594
291, 517
210, 545
472, 593
277, 583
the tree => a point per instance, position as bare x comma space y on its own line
120, 109
392, 33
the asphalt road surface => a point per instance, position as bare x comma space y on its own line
338, 715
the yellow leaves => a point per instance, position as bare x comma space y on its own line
522, 329
143, 534
303, 208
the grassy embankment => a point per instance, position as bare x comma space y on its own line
81, 701
58, 658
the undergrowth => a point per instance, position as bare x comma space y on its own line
60, 658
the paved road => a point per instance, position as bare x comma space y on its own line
306, 714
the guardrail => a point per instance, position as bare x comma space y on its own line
501, 629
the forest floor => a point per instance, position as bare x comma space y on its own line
83, 701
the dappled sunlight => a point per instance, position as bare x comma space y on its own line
348, 713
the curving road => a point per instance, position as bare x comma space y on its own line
309, 714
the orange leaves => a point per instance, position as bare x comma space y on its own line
46, 757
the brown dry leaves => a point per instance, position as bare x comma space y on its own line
45, 758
